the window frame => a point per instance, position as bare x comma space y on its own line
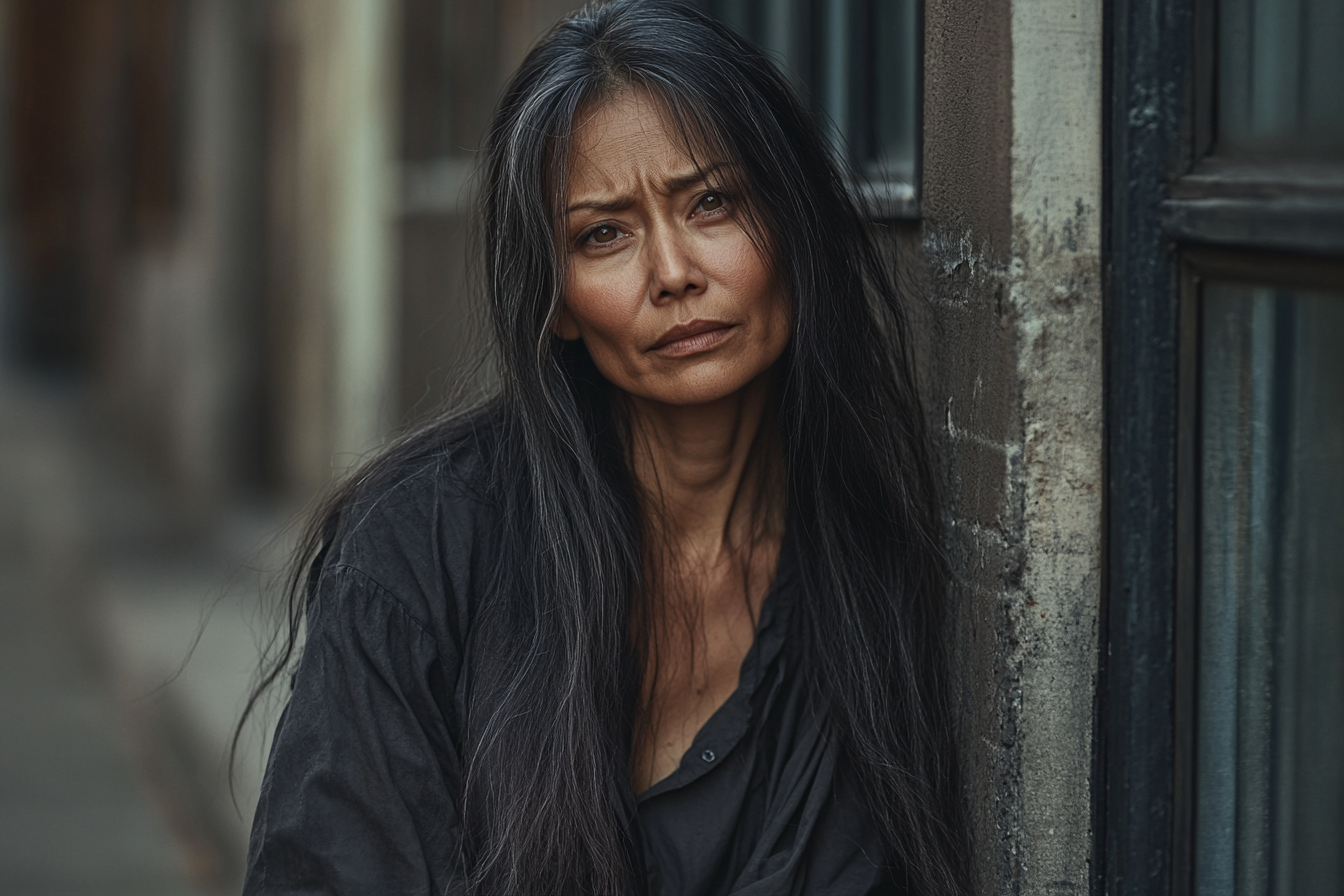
888, 199
883, 199
1294, 206
1136, 770
1178, 215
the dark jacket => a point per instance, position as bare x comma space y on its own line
361, 793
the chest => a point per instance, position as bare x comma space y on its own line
764, 801
695, 659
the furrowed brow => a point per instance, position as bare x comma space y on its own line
617, 204
671, 186
694, 178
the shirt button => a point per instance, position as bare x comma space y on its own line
708, 755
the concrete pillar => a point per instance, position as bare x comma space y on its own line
1055, 289
1008, 252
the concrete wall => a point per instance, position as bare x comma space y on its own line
1008, 258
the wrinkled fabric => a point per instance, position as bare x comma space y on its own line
361, 791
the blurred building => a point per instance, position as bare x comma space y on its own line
242, 220
244, 224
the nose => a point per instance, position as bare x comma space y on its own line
674, 271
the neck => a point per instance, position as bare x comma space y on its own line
707, 472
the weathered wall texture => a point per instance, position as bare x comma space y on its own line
1055, 284
1008, 258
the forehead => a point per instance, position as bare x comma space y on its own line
625, 138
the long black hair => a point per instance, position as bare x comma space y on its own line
559, 680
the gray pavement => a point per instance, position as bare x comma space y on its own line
127, 642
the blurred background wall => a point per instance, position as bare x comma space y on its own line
242, 222
232, 251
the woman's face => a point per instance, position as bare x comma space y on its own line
669, 294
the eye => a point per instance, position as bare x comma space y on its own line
603, 234
711, 202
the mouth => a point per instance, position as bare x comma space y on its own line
691, 337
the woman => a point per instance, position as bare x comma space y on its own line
664, 615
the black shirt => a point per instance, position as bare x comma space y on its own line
360, 794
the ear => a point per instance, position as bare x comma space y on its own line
564, 325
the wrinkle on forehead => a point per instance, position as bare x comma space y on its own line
594, 123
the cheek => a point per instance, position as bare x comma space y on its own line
741, 270
605, 305
736, 265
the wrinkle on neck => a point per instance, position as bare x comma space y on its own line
709, 473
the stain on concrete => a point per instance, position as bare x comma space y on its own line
1007, 262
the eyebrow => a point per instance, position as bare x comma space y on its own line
672, 185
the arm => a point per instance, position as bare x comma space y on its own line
360, 791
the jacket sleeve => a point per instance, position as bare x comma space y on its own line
360, 790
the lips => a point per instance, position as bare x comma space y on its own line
690, 337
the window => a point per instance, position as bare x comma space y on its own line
1279, 74
857, 61
1223, 698
1269, 752
1267, 417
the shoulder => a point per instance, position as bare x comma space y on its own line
416, 521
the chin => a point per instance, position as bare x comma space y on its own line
697, 388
